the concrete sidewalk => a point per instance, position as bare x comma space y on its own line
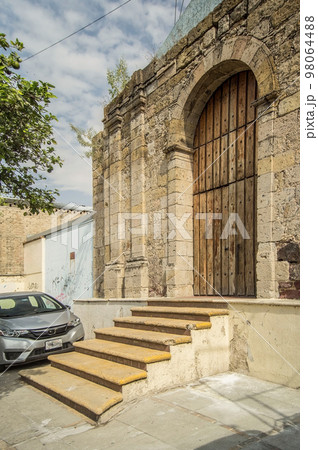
226, 411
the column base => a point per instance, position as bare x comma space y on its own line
136, 278
114, 280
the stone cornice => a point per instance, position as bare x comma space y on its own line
138, 103
178, 148
114, 122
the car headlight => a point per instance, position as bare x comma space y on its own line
74, 322
7, 332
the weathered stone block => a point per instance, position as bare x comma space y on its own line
282, 271
223, 25
294, 271
239, 12
283, 161
289, 104
289, 8
289, 252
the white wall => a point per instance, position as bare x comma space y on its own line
66, 278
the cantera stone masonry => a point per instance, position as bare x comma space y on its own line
205, 133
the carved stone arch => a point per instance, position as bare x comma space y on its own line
224, 60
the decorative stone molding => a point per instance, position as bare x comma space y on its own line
178, 148
138, 103
114, 123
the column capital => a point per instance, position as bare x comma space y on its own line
178, 148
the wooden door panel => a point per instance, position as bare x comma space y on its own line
225, 184
196, 244
202, 253
225, 241
209, 243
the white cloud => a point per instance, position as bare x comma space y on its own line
77, 67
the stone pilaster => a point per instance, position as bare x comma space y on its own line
136, 270
114, 253
266, 280
179, 272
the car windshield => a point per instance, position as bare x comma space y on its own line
27, 305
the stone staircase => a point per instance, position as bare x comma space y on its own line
164, 344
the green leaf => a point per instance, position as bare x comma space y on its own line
26, 134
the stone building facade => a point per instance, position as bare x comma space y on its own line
155, 149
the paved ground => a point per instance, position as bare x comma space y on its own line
227, 411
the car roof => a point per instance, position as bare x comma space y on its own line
16, 294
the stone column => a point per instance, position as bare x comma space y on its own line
99, 209
179, 272
136, 270
114, 256
266, 282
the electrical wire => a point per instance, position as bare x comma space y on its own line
175, 11
77, 31
181, 8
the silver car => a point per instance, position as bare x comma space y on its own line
34, 325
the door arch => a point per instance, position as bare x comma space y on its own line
225, 191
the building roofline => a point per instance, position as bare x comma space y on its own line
65, 206
72, 223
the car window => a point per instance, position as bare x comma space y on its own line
7, 303
50, 303
33, 301
26, 305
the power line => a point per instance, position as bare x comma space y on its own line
175, 10
181, 9
77, 31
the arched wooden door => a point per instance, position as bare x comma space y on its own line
225, 191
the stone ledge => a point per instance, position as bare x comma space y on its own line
234, 300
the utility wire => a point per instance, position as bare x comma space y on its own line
77, 31
175, 11
181, 8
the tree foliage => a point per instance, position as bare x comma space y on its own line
84, 138
26, 134
117, 78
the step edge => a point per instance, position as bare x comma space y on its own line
51, 389
184, 339
110, 379
146, 360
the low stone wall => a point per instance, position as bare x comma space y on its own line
99, 313
265, 340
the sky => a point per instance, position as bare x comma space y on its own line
77, 67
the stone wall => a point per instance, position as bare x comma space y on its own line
144, 159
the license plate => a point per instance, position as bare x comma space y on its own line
50, 345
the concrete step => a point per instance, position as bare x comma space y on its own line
162, 325
97, 370
201, 314
192, 302
142, 338
130, 355
86, 397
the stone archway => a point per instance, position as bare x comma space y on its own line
224, 60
